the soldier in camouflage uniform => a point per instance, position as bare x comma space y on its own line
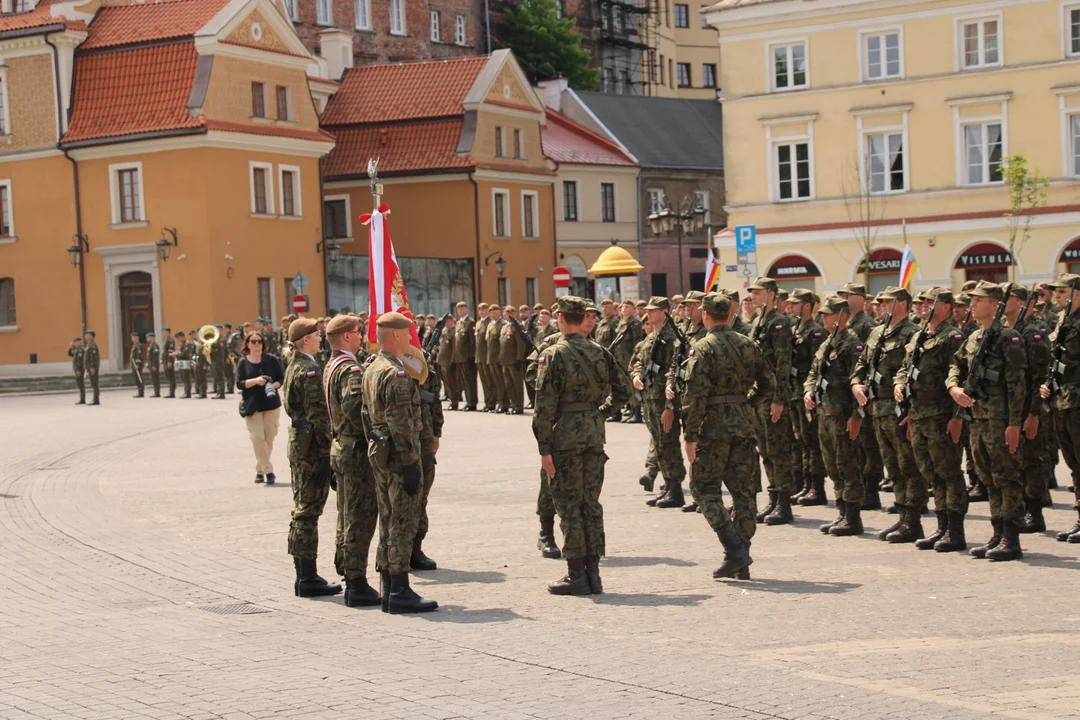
724, 367
201, 364
827, 392
676, 376
394, 424
138, 363
633, 331
809, 468
168, 353
860, 323
993, 387
1064, 393
357, 507
874, 377
932, 421
976, 490
77, 354
153, 362
431, 416
309, 459
648, 373
605, 329
772, 331
576, 382
545, 506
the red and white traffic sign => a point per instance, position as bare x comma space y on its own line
299, 304
561, 276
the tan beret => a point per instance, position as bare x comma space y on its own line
462, 303
482, 306
341, 324
394, 320
509, 308
301, 328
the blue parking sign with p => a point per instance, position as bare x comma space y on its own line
745, 238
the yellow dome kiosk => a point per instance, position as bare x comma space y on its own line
616, 272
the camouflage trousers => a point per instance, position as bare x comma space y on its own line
309, 499
399, 516
427, 465
999, 470
357, 510
726, 461
575, 490
545, 506
841, 457
873, 469
217, 370
1038, 467
806, 453
668, 451
652, 465
775, 442
1067, 429
938, 459
909, 486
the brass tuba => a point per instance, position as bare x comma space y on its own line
208, 335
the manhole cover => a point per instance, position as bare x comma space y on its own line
240, 609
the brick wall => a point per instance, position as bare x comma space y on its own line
378, 45
31, 102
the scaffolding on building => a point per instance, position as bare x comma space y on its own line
623, 36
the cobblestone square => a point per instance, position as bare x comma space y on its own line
121, 526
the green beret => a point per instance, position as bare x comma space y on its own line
78, 339
834, 304
988, 289
571, 305
218, 326
90, 332
150, 334
179, 333
763, 283
227, 325
656, 302
166, 329
134, 333
716, 304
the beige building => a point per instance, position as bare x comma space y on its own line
686, 59
855, 120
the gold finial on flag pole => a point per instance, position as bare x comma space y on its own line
376, 186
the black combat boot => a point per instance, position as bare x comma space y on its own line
886, 485
359, 594
420, 561
616, 416
1009, 547
651, 502
995, 539
816, 495
1033, 520
308, 583
851, 524
978, 493
954, 539
805, 483
1074, 530
635, 417
674, 498
781, 514
546, 542
403, 599
270, 478
841, 509
691, 507
259, 479
647, 481
592, 574
871, 500
884, 534
736, 554
384, 590
768, 508
575, 582
928, 542
910, 529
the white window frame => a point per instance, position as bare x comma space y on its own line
958, 34
689, 75
269, 175
288, 105
5, 97
770, 69
959, 123
1066, 39
9, 212
114, 194
291, 9
864, 53
865, 132
500, 146
328, 19
298, 209
706, 202
362, 20
506, 214
436, 26
577, 201
1068, 147
399, 16
461, 30
614, 201
535, 235
519, 143
649, 199
772, 156
348, 215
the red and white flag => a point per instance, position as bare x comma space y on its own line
387, 288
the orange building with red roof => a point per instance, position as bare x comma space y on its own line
129, 127
465, 175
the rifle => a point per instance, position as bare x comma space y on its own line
1057, 351
875, 359
431, 342
822, 383
967, 317
522, 334
978, 373
616, 341
904, 405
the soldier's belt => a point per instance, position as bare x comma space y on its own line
575, 407
726, 400
301, 425
428, 396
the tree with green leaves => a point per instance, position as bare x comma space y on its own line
546, 46
1027, 192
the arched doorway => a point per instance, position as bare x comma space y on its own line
795, 271
136, 308
882, 268
985, 261
1071, 256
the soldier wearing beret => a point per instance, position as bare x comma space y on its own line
482, 367
512, 352
168, 354
497, 403
809, 468
444, 361
994, 392
723, 370
309, 458
827, 394
153, 362
184, 351
576, 382
138, 362
394, 425
465, 354
92, 363
77, 354
772, 331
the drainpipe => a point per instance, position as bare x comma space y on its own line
324, 258
487, 27
640, 241
478, 275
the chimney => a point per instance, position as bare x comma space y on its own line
337, 49
553, 90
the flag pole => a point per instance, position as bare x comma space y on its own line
376, 186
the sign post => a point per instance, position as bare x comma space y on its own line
299, 304
746, 250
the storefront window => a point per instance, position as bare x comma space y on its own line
792, 272
434, 285
985, 261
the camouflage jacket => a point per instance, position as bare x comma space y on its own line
392, 402
740, 326
533, 364
304, 402
693, 334
929, 397
77, 355
653, 360
345, 398
1067, 393
807, 339
1037, 344
1005, 356
431, 410
605, 330
834, 362
570, 393
186, 351
892, 357
464, 340
153, 356
861, 324
723, 368
773, 333
634, 333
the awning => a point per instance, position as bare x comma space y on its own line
793, 266
883, 260
984, 255
1072, 252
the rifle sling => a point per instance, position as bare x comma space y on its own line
588, 369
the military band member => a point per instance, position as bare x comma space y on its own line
234, 349
499, 403
201, 365
153, 363
168, 356
77, 353
808, 336
138, 362
92, 364
465, 354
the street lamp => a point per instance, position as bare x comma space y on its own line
75, 254
164, 245
688, 218
329, 247
500, 261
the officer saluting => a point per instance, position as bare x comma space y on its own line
76, 352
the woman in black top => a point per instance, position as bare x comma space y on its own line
254, 373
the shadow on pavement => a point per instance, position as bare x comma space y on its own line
794, 587
623, 561
5, 496
1054, 561
461, 576
648, 599
458, 614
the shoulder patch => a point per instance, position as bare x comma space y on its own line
691, 351
780, 326
541, 359
958, 336
401, 373
312, 373
1015, 339
858, 347
1038, 336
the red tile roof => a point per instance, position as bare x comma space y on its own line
565, 141
40, 16
142, 90
145, 22
269, 130
405, 91
400, 148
